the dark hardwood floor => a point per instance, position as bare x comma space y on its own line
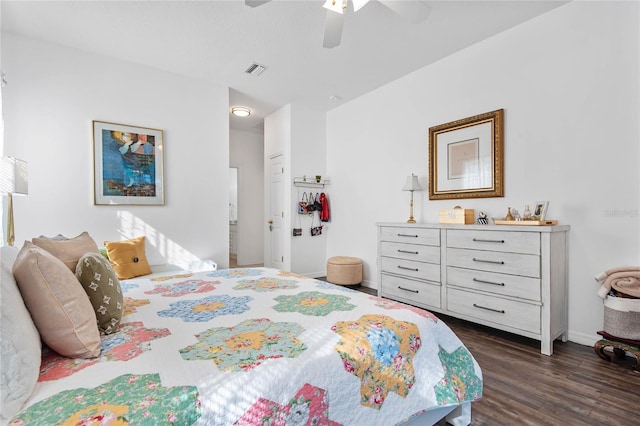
572, 387
523, 387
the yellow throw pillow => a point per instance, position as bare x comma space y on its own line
69, 250
128, 257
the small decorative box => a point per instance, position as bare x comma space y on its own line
457, 216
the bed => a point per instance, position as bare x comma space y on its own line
256, 346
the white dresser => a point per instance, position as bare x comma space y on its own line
512, 278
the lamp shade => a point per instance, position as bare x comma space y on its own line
412, 184
13, 176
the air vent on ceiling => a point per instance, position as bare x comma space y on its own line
255, 69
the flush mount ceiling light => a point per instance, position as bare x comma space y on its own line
240, 111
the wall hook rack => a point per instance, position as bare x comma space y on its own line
310, 182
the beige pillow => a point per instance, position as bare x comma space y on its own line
101, 284
69, 250
128, 257
57, 303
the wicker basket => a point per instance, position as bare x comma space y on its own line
622, 317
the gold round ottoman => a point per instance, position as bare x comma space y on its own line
344, 270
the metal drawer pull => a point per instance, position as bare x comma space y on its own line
407, 235
408, 289
407, 251
500, 311
497, 262
488, 282
408, 269
480, 240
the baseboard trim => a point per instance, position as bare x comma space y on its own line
582, 338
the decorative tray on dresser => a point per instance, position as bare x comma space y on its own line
512, 278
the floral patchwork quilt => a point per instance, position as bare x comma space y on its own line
257, 346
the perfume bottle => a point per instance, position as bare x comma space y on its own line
526, 215
509, 216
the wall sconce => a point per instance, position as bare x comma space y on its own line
412, 184
13, 180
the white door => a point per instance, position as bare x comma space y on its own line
275, 218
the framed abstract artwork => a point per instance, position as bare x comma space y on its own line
466, 158
128, 165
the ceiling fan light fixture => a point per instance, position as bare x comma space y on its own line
358, 4
240, 111
335, 5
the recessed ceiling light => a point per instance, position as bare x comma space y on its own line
240, 111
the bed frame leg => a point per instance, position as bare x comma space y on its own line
461, 416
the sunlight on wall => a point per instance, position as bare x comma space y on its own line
160, 249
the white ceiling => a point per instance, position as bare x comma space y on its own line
217, 40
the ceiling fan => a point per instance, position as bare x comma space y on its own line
413, 10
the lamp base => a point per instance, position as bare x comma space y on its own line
411, 219
10, 237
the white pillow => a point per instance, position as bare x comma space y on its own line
20, 342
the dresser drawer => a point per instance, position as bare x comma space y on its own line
416, 252
527, 265
411, 291
501, 284
410, 235
505, 241
519, 315
420, 270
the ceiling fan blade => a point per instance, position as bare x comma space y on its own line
415, 10
332, 29
255, 3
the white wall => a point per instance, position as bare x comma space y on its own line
308, 157
52, 97
246, 153
298, 133
568, 82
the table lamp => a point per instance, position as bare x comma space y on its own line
412, 184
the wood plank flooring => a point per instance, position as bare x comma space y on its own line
572, 387
524, 387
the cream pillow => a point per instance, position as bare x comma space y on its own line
101, 284
69, 250
128, 257
58, 304
20, 342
